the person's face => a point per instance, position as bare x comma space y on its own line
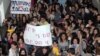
98, 18
17, 15
44, 50
42, 20
15, 22
73, 25
36, 9
8, 34
79, 33
85, 30
20, 41
96, 12
63, 37
95, 31
90, 22
82, 26
30, 15
27, 15
83, 10
67, 16
24, 19
14, 37
76, 6
21, 34
97, 39
35, 20
39, 5
22, 52
79, 21
55, 44
72, 18
53, 13
73, 9
13, 46
12, 27
57, 6
66, 26
75, 41
50, 6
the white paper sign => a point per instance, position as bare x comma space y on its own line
20, 6
38, 35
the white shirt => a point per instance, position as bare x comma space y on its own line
12, 52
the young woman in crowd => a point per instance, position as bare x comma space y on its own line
55, 49
22, 52
21, 43
13, 51
71, 52
96, 31
43, 20
63, 42
11, 29
42, 51
35, 21
14, 36
33, 51
75, 45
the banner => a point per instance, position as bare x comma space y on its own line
38, 35
20, 6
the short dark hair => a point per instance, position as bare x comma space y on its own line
76, 39
71, 50
14, 43
55, 41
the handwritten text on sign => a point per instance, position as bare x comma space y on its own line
20, 6
38, 35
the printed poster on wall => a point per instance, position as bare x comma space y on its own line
20, 6
38, 35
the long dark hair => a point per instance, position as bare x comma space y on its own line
63, 33
98, 31
39, 51
22, 49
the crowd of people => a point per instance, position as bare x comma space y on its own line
75, 28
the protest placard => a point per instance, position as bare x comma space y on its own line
38, 35
20, 6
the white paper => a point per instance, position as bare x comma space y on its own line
38, 35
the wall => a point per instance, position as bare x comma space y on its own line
6, 5
4, 9
2, 14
